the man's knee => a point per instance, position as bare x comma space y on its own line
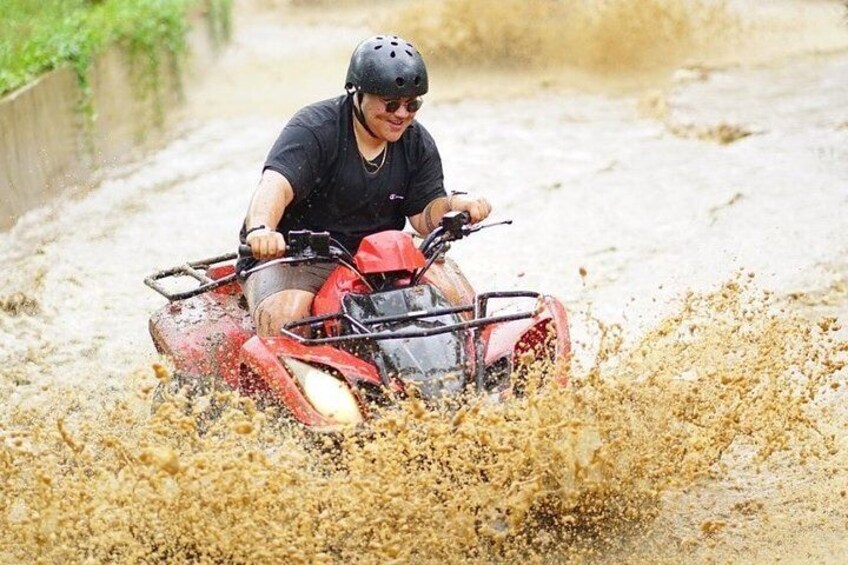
281, 308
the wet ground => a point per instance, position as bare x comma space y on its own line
623, 199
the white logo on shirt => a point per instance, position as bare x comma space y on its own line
395, 197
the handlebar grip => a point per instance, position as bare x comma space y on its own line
244, 250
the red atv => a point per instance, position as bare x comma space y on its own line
390, 318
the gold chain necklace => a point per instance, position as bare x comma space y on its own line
369, 166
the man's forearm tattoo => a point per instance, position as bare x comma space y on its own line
430, 222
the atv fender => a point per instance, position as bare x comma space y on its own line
263, 371
202, 335
512, 339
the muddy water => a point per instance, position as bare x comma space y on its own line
719, 413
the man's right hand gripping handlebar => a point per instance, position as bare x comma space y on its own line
266, 243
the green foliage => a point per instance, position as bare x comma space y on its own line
220, 12
38, 35
153, 33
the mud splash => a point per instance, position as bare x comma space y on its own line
611, 45
562, 474
611, 36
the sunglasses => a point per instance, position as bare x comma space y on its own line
394, 105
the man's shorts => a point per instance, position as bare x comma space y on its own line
271, 280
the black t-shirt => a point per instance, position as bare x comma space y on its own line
318, 155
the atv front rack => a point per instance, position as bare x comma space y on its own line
196, 270
364, 332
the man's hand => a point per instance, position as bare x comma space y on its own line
477, 208
427, 220
266, 244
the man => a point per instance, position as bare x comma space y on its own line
352, 165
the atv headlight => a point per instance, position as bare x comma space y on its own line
328, 395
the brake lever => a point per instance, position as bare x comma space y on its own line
478, 227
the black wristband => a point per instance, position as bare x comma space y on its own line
253, 229
450, 198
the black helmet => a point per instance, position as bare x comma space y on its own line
387, 65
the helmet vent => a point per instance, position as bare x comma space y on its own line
385, 64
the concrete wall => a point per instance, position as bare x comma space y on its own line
48, 144
40, 146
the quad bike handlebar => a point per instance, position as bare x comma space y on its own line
453, 226
304, 246
309, 247
303, 243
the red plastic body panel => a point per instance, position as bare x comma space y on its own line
388, 251
261, 357
265, 366
443, 274
514, 338
341, 281
203, 335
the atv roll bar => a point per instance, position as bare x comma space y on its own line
361, 327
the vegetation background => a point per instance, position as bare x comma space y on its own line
39, 35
